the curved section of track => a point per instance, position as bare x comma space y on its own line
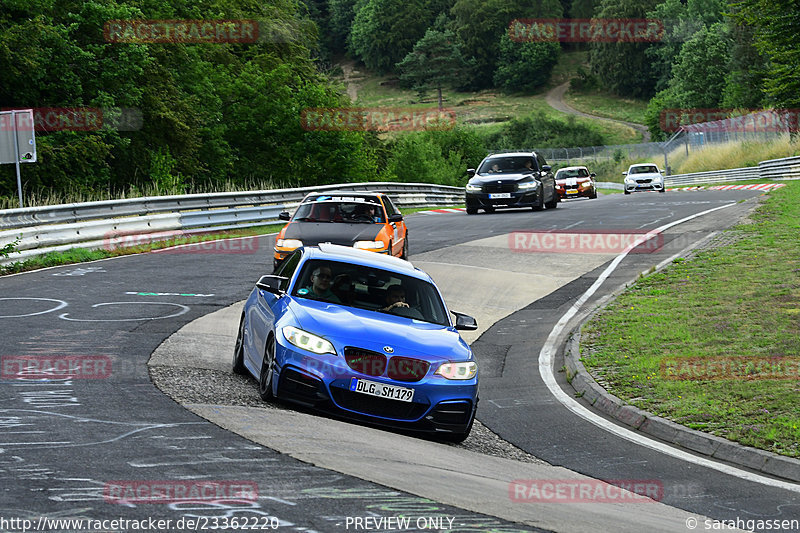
64, 440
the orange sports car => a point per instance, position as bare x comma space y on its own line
365, 220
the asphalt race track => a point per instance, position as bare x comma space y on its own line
65, 444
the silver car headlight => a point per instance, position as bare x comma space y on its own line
472, 188
464, 370
528, 185
307, 341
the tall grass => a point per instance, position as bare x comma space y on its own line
731, 155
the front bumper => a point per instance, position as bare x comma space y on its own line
322, 382
647, 186
575, 192
514, 199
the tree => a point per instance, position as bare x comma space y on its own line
384, 31
479, 24
623, 67
776, 27
682, 19
744, 85
434, 63
698, 77
525, 66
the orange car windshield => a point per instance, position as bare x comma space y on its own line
351, 212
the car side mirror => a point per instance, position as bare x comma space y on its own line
470, 172
465, 322
397, 217
625, 173
662, 171
284, 215
271, 283
547, 168
592, 175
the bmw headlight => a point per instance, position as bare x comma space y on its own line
528, 185
307, 341
369, 245
288, 243
472, 188
465, 370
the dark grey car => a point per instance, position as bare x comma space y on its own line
513, 179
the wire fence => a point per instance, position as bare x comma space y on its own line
761, 126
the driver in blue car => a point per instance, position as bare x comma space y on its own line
396, 303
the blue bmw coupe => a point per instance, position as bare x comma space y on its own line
360, 335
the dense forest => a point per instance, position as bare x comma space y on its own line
227, 113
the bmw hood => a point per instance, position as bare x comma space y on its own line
313, 233
372, 330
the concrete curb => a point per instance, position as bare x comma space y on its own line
666, 430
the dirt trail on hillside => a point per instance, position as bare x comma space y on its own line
349, 80
555, 99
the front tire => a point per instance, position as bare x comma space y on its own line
404, 253
539, 203
238, 351
553, 203
267, 371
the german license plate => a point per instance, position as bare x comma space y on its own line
498, 195
572, 191
381, 390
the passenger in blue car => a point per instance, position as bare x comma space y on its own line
320, 288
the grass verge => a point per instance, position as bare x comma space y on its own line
603, 104
716, 319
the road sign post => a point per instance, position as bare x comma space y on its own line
17, 141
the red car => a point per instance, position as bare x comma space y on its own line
575, 182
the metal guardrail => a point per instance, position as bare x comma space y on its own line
714, 176
780, 169
91, 224
98, 224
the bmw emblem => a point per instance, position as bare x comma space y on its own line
388, 349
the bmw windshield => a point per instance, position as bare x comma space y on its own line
507, 165
370, 288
